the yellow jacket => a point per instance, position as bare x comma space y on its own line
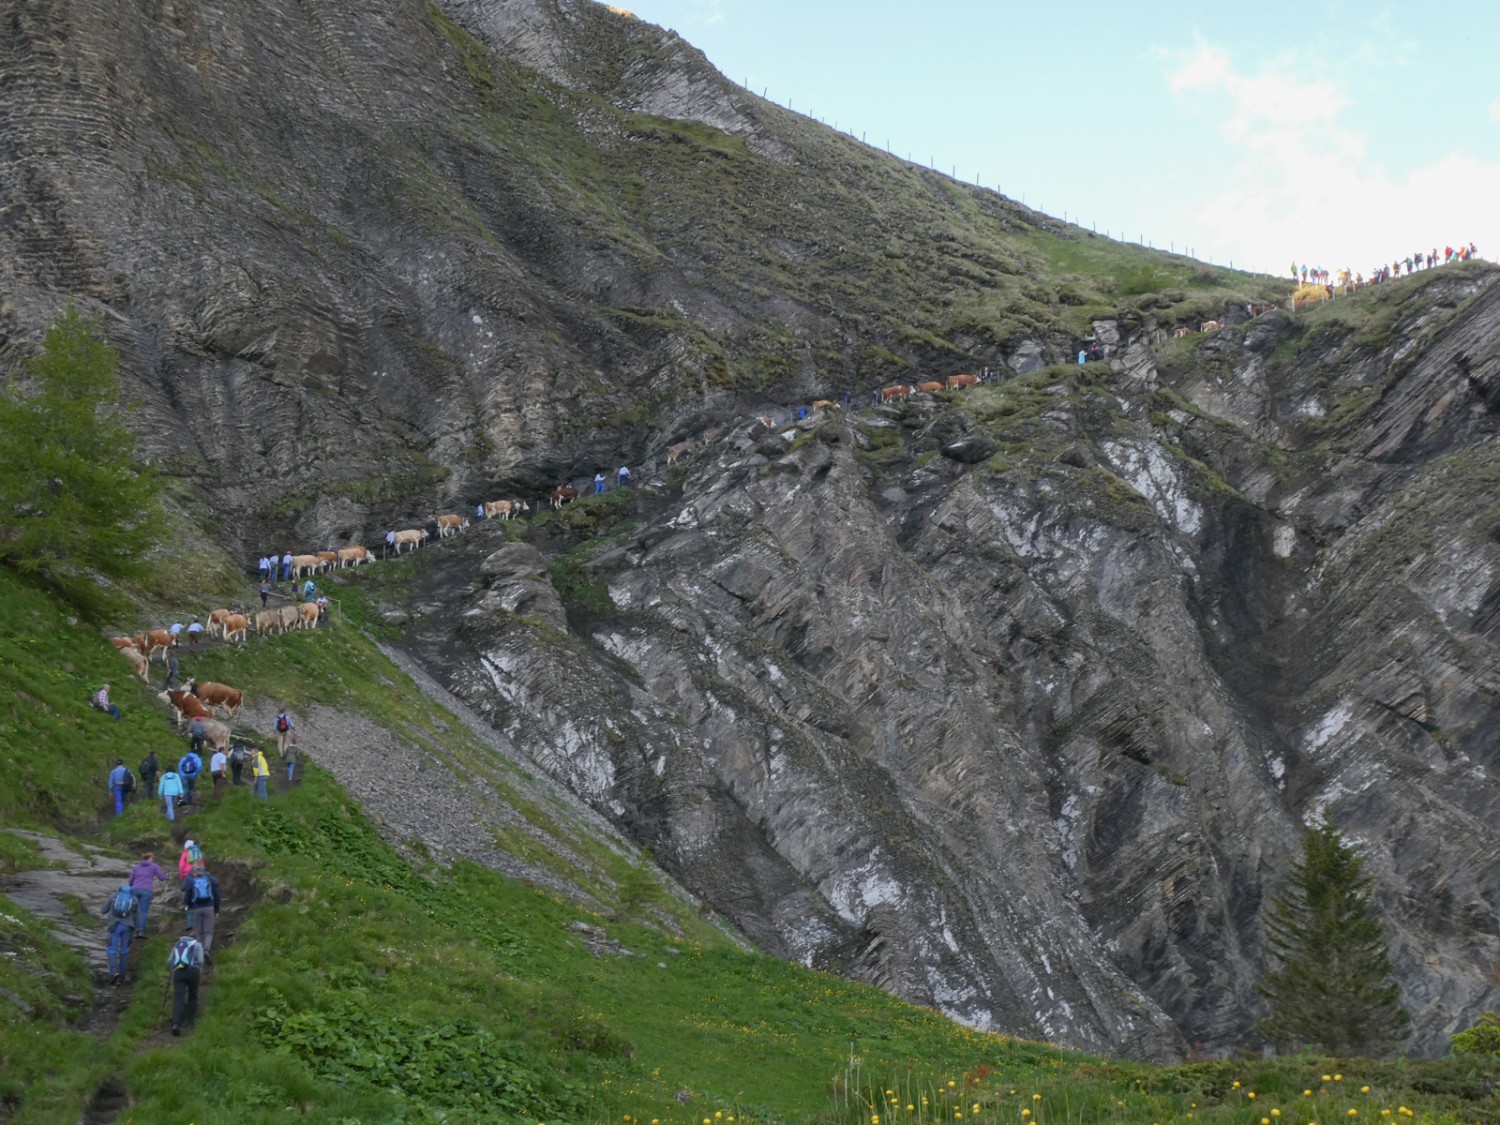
258, 767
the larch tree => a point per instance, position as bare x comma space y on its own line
1332, 988
76, 509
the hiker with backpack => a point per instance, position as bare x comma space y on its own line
195, 736
185, 963
291, 756
170, 790
120, 909
237, 763
191, 854
200, 897
283, 727
121, 782
143, 879
188, 768
149, 770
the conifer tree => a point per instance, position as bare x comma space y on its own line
1332, 990
74, 505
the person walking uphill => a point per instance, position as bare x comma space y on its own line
283, 726
149, 770
143, 879
185, 963
120, 909
170, 789
191, 854
260, 770
218, 766
200, 896
189, 766
117, 778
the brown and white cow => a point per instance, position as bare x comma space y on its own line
186, 704
932, 386
330, 559
353, 556
215, 624
676, 453
306, 565
218, 695
1210, 326
307, 613
825, 404
560, 496
504, 509
412, 537
158, 640
122, 643
450, 525
899, 391
268, 621
956, 382
1179, 333
234, 627
137, 661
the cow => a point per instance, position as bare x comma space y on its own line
234, 626
137, 661
714, 434
955, 382
158, 640
186, 704
676, 453
218, 695
560, 496
141, 645
215, 624
330, 559
932, 386
289, 617
767, 421
305, 565
353, 556
1179, 333
413, 537
307, 613
899, 391
216, 735
825, 404
504, 509
122, 643
451, 525
268, 621
1210, 326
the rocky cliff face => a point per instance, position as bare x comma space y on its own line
1014, 701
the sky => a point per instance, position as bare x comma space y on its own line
1332, 133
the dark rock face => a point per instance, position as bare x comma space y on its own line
1016, 707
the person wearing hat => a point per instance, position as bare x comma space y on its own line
185, 963
117, 785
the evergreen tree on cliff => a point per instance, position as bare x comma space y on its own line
1333, 990
74, 506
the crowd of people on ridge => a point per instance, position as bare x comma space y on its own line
1346, 280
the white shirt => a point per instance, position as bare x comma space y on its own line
219, 762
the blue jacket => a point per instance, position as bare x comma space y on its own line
191, 765
170, 785
117, 776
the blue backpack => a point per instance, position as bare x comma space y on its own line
189, 766
203, 890
181, 956
124, 905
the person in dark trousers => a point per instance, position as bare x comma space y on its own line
171, 673
188, 768
149, 771
185, 963
200, 897
117, 785
143, 879
120, 909
237, 763
195, 735
265, 594
99, 701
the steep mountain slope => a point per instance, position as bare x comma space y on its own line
1014, 701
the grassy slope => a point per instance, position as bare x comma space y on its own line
366, 987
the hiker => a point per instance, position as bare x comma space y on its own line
170, 790
117, 778
291, 757
149, 770
194, 631
479, 512
263, 568
218, 766
286, 567
598, 483
309, 591
171, 673
99, 701
200, 898
195, 735
185, 963
120, 908
622, 476
390, 542
265, 594
260, 771
236, 763
322, 603
143, 879
189, 766
1082, 355
283, 727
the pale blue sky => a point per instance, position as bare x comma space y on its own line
1330, 131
